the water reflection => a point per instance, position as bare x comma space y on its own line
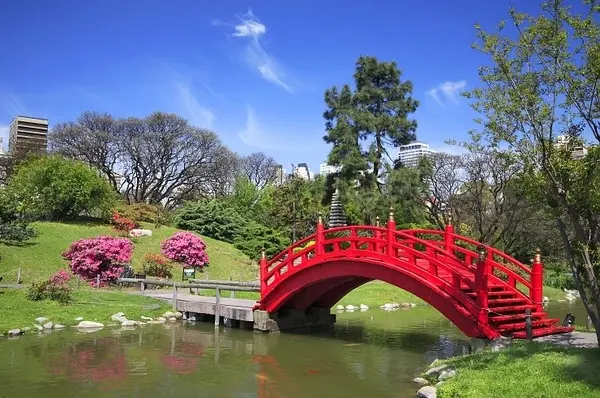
367, 353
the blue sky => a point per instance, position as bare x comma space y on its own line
255, 73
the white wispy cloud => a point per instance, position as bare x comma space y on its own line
198, 114
447, 90
11, 106
256, 135
250, 29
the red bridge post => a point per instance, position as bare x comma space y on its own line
537, 281
449, 236
391, 234
481, 285
262, 271
377, 235
319, 236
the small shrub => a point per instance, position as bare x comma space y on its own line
157, 265
104, 256
186, 248
56, 288
123, 225
144, 212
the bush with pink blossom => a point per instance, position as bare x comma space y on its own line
105, 256
186, 248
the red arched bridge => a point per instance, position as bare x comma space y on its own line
483, 291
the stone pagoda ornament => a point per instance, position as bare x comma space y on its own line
337, 218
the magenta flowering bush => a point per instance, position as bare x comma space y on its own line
186, 248
104, 256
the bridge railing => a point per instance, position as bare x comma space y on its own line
484, 262
503, 268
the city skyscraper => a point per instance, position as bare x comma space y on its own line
28, 134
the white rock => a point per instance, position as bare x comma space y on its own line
146, 318
26, 329
545, 299
172, 319
168, 314
340, 307
41, 319
161, 319
39, 328
59, 326
351, 307
446, 374
89, 324
192, 319
140, 232
79, 319
363, 307
427, 392
413, 305
421, 381
48, 325
14, 332
178, 315
128, 322
435, 371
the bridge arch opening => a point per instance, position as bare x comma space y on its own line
326, 283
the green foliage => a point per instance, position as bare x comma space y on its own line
213, 219
50, 290
144, 212
253, 237
157, 265
250, 200
376, 111
55, 188
540, 83
296, 204
14, 228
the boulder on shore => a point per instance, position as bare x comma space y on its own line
89, 325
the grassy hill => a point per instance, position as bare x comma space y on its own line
41, 257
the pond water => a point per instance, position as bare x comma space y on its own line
372, 353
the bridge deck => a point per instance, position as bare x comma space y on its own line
230, 308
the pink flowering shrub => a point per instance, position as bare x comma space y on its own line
186, 248
104, 256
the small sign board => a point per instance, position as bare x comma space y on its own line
188, 273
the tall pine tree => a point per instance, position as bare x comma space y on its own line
363, 123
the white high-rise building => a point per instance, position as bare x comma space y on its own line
409, 155
302, 171
325, 169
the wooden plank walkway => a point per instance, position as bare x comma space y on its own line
230, 308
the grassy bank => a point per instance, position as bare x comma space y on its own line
41, 257
527, 369
92, 305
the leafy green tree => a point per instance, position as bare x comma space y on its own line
295, 207
213, 219
540, 83
376, 112
14, 228
56, 188
251, 200
253, 237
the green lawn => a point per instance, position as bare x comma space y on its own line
91, 304
41, 257
527, 369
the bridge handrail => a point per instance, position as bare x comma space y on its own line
491, 253
291, 248
468, 302
187, 285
